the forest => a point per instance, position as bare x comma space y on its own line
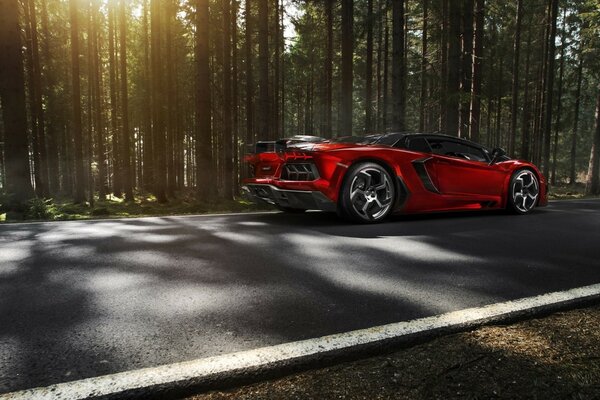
162, 98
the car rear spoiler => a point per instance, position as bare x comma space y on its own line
281, 145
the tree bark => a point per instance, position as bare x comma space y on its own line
170, 16
550, 86
386, 61
573, 157
593, 177
148, 140
204, 161
424, 55
79, 195
249, 74
347, 67
474, 126
526, 120
49, 75
443, 123
36, 104
264, 103
467, 68
158, 112
327, 130
454, 59
369, 71
235, 97
12, 96
97, 100
125, 140
514, 108
227, 137
398, 67
557, 124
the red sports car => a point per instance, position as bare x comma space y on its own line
367, 179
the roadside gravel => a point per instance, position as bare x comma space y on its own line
555, 357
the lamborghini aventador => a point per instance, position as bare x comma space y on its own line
366, 179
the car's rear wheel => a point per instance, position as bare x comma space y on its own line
523, 192
368, 193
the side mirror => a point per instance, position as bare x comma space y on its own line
497, 153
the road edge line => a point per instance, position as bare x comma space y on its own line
252, 365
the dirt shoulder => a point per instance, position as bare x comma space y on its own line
555, 357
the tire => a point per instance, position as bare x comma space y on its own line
368, 194
523, 192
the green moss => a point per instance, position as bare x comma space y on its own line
115, 207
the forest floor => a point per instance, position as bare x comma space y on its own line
114, 207
146, 205
555, 357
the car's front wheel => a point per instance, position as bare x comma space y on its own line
368, 193
523, 192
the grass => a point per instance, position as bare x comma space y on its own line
114, 207
564, 191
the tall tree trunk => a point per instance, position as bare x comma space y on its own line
557, 124
89, 138
572, 169
204, 160
467, 67
283, 65
398, 67
158, 112
474, 127
12, 97
170, 16
79, 195
227, 136
386, 62
454, 61
550, 86
38, 131
424, 55
234, 95
329, 70
148, 148
32, 98
379, 70
514, 108
249, 74
125, 140
49, 94
264, 103
369, 71
97, 100
526, 120
276, 71
443, 125
114, 129
347, 66
592, 185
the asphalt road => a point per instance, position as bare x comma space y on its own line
81, 299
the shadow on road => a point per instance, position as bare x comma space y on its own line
79, 299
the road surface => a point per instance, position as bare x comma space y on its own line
87, 298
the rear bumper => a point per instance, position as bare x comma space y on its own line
300, 199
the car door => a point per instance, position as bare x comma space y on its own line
461, 168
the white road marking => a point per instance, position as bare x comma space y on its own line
207, 369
